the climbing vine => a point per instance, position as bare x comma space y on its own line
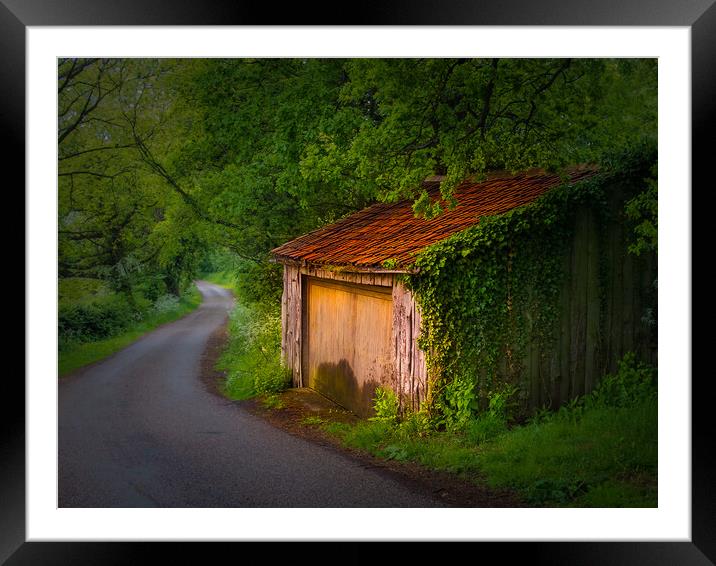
487, 291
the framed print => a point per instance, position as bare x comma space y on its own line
33, 27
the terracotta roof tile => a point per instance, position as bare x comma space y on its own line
391, 231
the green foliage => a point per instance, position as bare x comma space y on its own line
640, 491
634, 382
166, 303
484, 427
485, 293
254, 282
260, 282
500, 403
602, 455
116, 222
313, 420
224, 279
386, 405
400, 120
272, 401
220, 266
252, 359
88, 311
643, 211
78, 290
272, 148
614, 428
161, 159
456, 404
96, 320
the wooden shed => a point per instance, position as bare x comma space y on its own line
349, 325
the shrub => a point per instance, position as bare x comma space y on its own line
271, 377
457, 405
166, 303
253, 355
386, 405
416, 423
84, 322
501, 403
632, 383
153, 288
493, 421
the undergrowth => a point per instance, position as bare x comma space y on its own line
598, 451
252, 358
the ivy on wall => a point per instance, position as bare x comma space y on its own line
485, 291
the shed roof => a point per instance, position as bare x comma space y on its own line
367, 238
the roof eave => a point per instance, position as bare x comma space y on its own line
341, 268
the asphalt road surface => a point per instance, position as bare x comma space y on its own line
140, 429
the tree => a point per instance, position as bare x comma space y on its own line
286, 145
246, 154
110, 203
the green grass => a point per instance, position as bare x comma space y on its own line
606, 458
239, 385
224, 279
436, 450
595, 457
80, 355
235, 360
272, 401
313, 421
251, 359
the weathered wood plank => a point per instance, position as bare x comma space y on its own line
291, 322
419, 372
592, 342
409, 360
299, 313
532, 370
610, 244
565, 332
578, 305
618, 259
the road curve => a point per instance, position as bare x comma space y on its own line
141, 430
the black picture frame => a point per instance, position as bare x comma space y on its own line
17, 15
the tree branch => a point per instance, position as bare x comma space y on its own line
92, 150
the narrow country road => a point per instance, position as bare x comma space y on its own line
140, 429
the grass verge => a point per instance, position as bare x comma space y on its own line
80, 355
251, 360
606, 457
597, 451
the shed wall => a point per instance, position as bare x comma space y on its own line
291, 322
410, 368
607, 309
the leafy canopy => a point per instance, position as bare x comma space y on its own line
161, 160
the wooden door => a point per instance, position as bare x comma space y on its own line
347, 341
